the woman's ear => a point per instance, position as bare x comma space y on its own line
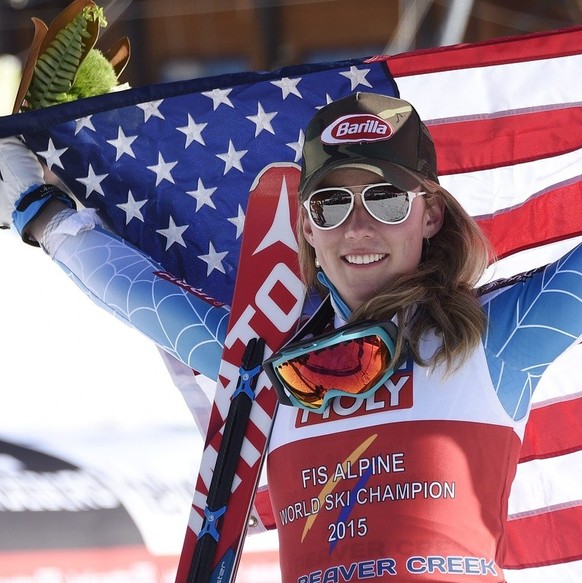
307, 227
434, 216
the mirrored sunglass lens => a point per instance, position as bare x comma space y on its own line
387, 204
329, 208
352, 367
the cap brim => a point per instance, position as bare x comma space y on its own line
395, 174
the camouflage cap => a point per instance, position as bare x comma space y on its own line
371, 132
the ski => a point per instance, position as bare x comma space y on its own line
267, 304
225, 466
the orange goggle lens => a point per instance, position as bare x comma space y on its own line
352, 367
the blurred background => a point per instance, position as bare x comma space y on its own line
98, 461
179, 39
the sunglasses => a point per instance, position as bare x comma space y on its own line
329, 207
349, 361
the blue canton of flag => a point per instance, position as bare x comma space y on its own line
170, 166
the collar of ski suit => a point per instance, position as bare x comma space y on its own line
339, 306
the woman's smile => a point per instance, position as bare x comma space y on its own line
364, 259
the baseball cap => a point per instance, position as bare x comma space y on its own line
372, 132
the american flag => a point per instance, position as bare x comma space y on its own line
170, 167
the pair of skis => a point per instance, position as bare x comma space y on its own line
267, 305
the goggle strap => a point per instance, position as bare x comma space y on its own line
317, 323
314, 327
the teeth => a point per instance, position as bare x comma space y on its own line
365, 259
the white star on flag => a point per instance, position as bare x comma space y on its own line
213, 259
297, 146
328, 100
232, 158
84, 122
262, 120
151, 109
163, 170
93, 182
202, 195
193, 131
131, 208
238, 221
357, 77
288, 86
219, 96
173, 233
52, 155
122, 144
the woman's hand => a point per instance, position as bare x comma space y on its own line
20, 171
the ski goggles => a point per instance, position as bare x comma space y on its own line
349, 361
328, 208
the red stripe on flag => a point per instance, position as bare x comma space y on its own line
526, 538
544, 45
525, 227
480, 144
553, 430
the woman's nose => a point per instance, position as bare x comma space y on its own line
360, 222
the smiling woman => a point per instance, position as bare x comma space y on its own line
384, 261
387, 243
362, 254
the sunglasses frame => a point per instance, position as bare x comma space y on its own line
410, 195
386, 331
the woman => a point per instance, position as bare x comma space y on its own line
410, 483
405, 478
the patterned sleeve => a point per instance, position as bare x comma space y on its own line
532, 320
127, 283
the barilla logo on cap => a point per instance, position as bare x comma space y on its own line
354, 128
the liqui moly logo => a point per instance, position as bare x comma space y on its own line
355, 128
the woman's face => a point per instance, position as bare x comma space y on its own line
363, 255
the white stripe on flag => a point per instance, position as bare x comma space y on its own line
488, 90
487, 191
558, 383
564, 573
529, 259
561, 485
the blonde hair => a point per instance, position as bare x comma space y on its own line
439, 296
